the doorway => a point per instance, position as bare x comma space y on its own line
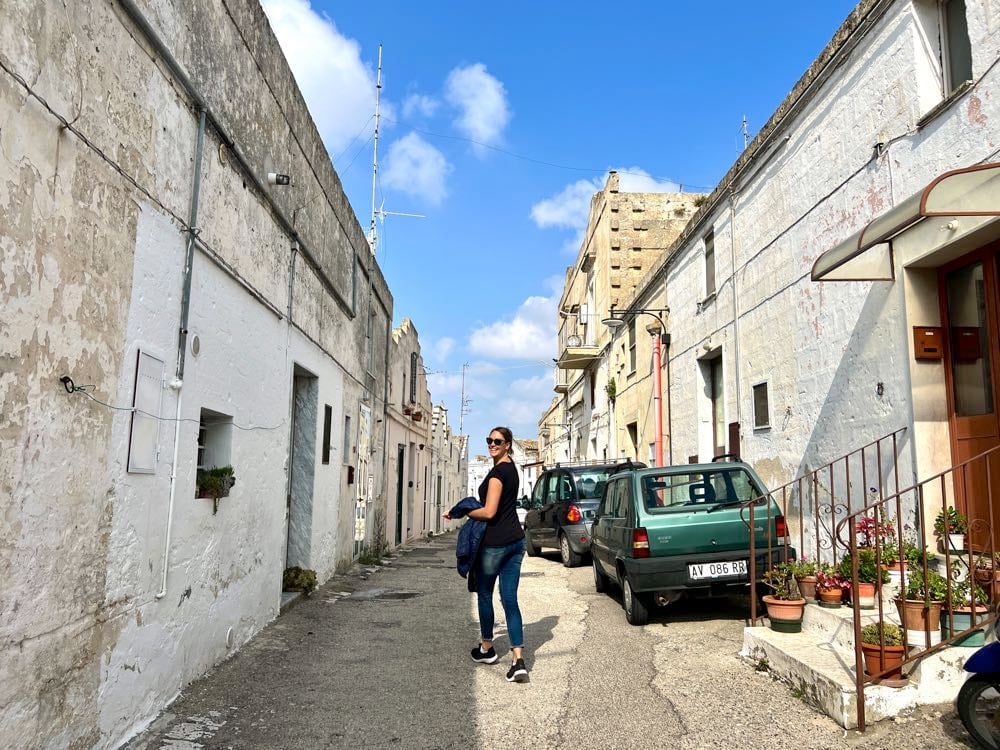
970, 294
400, 457
302, 460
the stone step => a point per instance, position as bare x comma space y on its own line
823, 676
836, 625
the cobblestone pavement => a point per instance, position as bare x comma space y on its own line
378, 658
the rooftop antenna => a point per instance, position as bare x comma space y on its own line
746, 133
378, 99
379, 212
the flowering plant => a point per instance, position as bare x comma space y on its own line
874, 528
827, 577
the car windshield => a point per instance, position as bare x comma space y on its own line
590, 483
706, 488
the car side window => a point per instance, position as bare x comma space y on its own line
566, 491
539, 493
612, 499
625, 499
551, 489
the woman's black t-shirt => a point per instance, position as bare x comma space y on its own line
503, 528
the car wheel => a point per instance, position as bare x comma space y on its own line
529, 546
569, 558
636, 611
600, 580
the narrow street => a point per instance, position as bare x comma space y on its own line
378, 658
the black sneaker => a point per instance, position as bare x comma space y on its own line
484, 657
517, 672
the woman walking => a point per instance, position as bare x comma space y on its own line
500, 554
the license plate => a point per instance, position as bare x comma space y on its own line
718, 569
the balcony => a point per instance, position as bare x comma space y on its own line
575, 351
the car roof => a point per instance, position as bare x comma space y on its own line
605, 466
696, 468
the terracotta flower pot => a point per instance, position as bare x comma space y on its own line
807, 587
989, 579
876, 660
785, 614
830, 598
915, 614
866, 596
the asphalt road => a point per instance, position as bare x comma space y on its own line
379, 658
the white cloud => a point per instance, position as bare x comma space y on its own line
569, 208
337, 86
481, 100
414, 166
442, 348
530, 334
525, 401
638, 180
418, 104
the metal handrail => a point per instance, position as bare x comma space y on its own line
957, 568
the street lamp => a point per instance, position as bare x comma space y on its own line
658, 332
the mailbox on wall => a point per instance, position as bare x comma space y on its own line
928, 342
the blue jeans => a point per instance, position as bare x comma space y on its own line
503, 563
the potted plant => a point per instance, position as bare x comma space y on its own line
966, 607
870, 576
299, 579
784, 605
215, 483
987, 574
804, 572
882, 646
830, 586
951, 525
920, 610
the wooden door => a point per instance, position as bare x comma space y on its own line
970, 293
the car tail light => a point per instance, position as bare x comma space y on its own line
780, 527
640, 543
573, 515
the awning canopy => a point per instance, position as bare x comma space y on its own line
867, 255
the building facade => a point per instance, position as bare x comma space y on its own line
602, 410
840, 285
168, 310
408, 440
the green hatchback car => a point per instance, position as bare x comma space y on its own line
674, 530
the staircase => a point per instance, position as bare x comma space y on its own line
818, 664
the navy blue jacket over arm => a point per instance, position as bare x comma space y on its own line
470, 537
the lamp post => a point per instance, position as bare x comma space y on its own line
657, 331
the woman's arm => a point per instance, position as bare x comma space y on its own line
493, 490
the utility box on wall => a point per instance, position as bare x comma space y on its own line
928, 342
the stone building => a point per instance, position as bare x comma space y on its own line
408, 440
448, 469
603, 408
168, 309
840, 285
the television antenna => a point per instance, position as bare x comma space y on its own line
379, 212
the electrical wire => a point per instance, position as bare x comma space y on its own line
431, 133
72, 388
358, 135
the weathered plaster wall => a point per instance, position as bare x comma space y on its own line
92, 648
411, 434
66, 235
822, 348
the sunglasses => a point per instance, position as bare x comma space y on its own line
496, 442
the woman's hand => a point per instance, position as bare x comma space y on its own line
447, 516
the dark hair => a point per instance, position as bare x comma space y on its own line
507, 435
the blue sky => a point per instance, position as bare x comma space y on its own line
500, 121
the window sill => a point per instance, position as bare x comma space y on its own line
707, 301
944, 105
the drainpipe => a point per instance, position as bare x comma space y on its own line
178, 380
736, 303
